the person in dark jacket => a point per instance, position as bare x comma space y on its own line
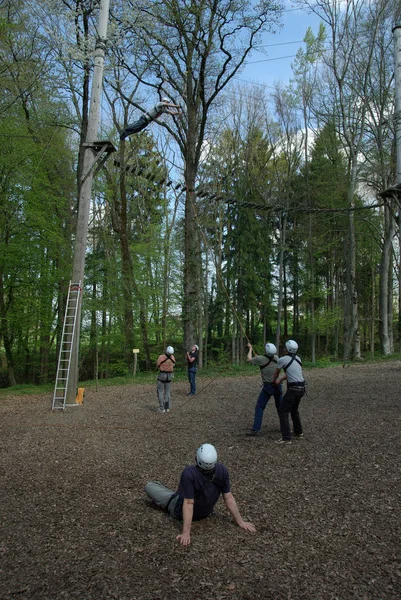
192, 361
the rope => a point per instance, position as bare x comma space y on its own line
263, 207
218, 270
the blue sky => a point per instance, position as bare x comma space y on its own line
280, 48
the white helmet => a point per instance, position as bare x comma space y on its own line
206, 457
169, 350
270, 349
291, 346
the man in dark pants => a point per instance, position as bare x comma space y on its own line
292, 366
200, 488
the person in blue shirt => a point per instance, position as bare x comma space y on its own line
198, 491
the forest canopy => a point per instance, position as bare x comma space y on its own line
254, 214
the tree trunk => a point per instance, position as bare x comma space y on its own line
385, 266
6, 335
191, 263
283, 222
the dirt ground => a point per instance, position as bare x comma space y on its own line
75, 522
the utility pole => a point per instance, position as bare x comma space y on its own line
92, 153
397, 75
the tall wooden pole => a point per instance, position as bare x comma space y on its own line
397, 78
86, 188
397, 75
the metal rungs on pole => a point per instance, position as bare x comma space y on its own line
69, 325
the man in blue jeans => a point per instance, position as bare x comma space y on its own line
192, 360
268, 366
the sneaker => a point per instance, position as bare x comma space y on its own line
281, 441
299, 436
190, 394
161, 410
254, 432
167, 410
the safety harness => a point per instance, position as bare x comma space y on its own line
270, 359
296, 385
168, 357
168, 374
294, 357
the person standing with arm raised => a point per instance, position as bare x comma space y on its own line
268, 366
192, 361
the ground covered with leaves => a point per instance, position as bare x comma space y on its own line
75, 522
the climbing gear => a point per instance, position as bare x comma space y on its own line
294, 357
269, 360
270, 349
206, 457
291, 346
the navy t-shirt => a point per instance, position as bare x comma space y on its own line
194, 363
203, 488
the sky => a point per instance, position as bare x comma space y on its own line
281, 48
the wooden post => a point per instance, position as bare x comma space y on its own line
136, 352
86, 188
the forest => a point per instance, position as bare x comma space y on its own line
255, 214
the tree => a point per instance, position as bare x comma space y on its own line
194, 50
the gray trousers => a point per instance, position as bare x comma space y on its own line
161, 495
163, 392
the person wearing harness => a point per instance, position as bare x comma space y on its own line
192, 360
292, 366
165, 106
165, 364
199, 489
268, 365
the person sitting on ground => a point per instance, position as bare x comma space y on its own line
199, 489
268, 365
192, 361
165, 106
165, 363
292, 366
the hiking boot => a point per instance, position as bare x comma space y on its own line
254, 433
283, 442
